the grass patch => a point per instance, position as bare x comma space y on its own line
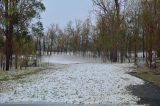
148, 75
4, 79
19, 74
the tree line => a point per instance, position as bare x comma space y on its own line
123, 28
127, 26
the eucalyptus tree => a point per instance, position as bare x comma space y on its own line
37, 31
85, 35
151, 27
52, 33
109, 12
61, 41
77, 36
17, 16
67, 37
1, 50
74, 32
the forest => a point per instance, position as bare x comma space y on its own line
123, 28
111, 57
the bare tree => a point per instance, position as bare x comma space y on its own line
52, 33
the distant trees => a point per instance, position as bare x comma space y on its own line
74, 32
52, 33
37, 32
123, 28
74, 38
85, 34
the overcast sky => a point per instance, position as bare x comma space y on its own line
62, 11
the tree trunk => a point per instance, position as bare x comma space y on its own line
40, 48
44, 47
135, 54
8, 51
158, 53
1, 61
51, 48
8, 33
8, 45
115, 55
143, 46
16, 61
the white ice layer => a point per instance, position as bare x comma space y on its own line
87, 83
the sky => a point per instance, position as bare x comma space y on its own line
62, 11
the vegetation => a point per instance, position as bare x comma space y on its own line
122, 28
151, 77
16, 19
18, 75
148, 75
15, 75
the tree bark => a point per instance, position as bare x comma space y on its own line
8, 34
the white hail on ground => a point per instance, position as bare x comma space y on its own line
84, 83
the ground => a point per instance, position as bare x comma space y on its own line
75, 80
151, 75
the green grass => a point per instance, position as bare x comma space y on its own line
18, 75
150, 77
10, 75
4, 79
